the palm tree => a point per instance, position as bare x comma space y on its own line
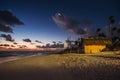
68, 44
100, 33
111, 19
111, 26
118, 31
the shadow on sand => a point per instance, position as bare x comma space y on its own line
89, 73
107, 57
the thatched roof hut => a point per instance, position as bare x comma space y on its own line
95, 45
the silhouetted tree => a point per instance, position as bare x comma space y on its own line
100, 33
114, 28
68, 45
114, 32
118, 31
111, 19
98, 30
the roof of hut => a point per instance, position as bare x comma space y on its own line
96, 41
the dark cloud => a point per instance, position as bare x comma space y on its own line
70, 24
5, 45
7, 29
22, 46
54, 42
8, 18
1, 44
38, 41
38, 46
15, 43
27, 40
60, 42
7, 37
12, 46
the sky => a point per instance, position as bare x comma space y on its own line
43, 19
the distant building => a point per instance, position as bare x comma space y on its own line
94, 45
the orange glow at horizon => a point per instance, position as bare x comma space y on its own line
24, 46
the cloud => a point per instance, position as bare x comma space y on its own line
60, 42
38, 41
85, 22
32, 43
22, 46
15, 43
5, 45
37, 46
7, 29
7, 37
8, 18
54, 42
27, 40
70, 24
1, 44
12, 46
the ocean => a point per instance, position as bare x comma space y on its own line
6, 56
19, 53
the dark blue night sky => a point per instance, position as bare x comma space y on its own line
39, 25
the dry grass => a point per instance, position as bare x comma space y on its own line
103, 66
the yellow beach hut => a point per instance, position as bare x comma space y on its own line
95, 45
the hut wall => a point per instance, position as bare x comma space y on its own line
93, 48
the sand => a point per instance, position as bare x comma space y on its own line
63, 67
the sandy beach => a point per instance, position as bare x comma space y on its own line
104, 66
